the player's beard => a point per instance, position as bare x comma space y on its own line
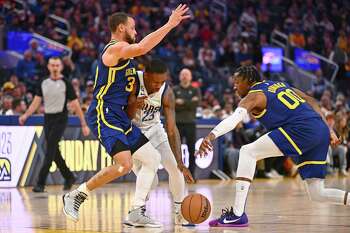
129, 39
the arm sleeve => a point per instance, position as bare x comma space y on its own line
70, 93
38, 90
230, 122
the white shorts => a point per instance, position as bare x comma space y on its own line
156, 134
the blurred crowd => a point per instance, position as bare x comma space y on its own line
220, 36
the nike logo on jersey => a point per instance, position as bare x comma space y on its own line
230, 221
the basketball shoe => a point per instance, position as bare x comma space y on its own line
72, 202
229, 219
138, 218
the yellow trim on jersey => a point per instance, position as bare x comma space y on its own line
111, 79
99, 108
312, 162
260, 114
120, 67
290, 140
96, 76
129, 130
98, 111
253, 91
256, 84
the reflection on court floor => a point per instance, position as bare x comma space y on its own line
273, 206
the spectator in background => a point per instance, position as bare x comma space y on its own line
74, 40
187, 99
34, 47
297, 38
206, 55
26, 68
69, 69
6, 105
18, 107
342, 129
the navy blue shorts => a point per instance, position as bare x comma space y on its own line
307, 144
112, 125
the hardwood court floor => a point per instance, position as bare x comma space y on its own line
273, 206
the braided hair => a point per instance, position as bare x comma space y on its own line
249, 73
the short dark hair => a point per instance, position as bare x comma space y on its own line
249, 73
156, 66
55, 58
115, 19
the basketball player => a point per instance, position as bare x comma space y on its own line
147, 117
297, 129
114, 81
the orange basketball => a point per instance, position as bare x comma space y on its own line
195, 208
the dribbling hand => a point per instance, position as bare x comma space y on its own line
178, 15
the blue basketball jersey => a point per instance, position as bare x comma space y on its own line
284, 106
113, 84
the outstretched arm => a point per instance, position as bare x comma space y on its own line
250, 103
124, 50
173, 133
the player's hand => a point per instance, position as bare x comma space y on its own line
335, 141
178, 15
86, 130
140, 101
187, 174
22, 119
206, 145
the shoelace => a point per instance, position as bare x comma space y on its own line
79, 198
143, 212
226, 212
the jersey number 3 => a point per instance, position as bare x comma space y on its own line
289, 98
130, 85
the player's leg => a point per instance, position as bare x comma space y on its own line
176, 180
317, 192
249, 154
122, 165
149, 159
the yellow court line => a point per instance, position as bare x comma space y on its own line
28, 164
290, 141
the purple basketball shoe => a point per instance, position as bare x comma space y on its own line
229, 219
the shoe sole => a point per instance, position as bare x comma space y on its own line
229, 225
128, 223
65, 213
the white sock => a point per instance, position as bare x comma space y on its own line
83, 188
242, 188
177, 207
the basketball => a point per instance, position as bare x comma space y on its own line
195, 208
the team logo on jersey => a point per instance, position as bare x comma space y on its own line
5, 169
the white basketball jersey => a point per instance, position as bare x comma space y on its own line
149, 115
